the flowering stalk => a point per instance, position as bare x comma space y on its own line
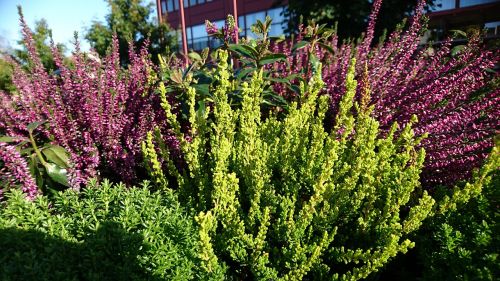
15, 171
96, 110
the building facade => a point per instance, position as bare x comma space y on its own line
197, 11
459, 14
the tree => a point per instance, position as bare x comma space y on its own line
130, 20
351, 15
41, 36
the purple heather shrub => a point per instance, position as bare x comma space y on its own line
95, 109
456, 100
15, 171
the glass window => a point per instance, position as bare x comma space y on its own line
188, 33
492, 28
199, 31
219, 23
176, 5
192, 2
163, 7
170, 5
275, 14
276, 29
467, 3
201, 1
186, 3
441, 5
241, 25
252, 18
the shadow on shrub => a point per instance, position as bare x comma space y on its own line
105, 232
110, 253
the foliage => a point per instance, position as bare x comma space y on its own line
41, 39
450, 89
6, 76
280, 198
350, 16
131, 20
106, 232
464, 244
96, 110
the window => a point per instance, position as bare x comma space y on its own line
441, 5
277, 25
492, 28
170, 5
192, 2
176, 5
163, 7
467, 3
186, 3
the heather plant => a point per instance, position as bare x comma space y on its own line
105, 232
280, 198
94, 109
452, 89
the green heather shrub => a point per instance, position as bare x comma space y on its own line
464, 245
280, 198
106, 232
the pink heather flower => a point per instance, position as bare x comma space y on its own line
15, 171
98, 111
211, 28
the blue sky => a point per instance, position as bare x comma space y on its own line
63, 16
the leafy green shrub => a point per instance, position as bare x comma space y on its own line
464, 245
107, 232
280, 198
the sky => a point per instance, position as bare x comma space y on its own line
64, 17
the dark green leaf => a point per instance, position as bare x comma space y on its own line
299, 45
326, 47
57, 173
32, 126
202, 89
244, 50
57, 155
272, 58
457, 49
244, 72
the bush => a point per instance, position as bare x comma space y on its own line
96, 110
281, 198
464, 244
451, 87
106, 232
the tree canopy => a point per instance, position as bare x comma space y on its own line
350, 15
130, 20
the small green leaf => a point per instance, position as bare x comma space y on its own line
32, 126
272, 58
57, 155
326, 47
244, 72
7, 139
194, 56
299, 46
456, 50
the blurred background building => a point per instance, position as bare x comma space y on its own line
197, 11
444, 16
461, 14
